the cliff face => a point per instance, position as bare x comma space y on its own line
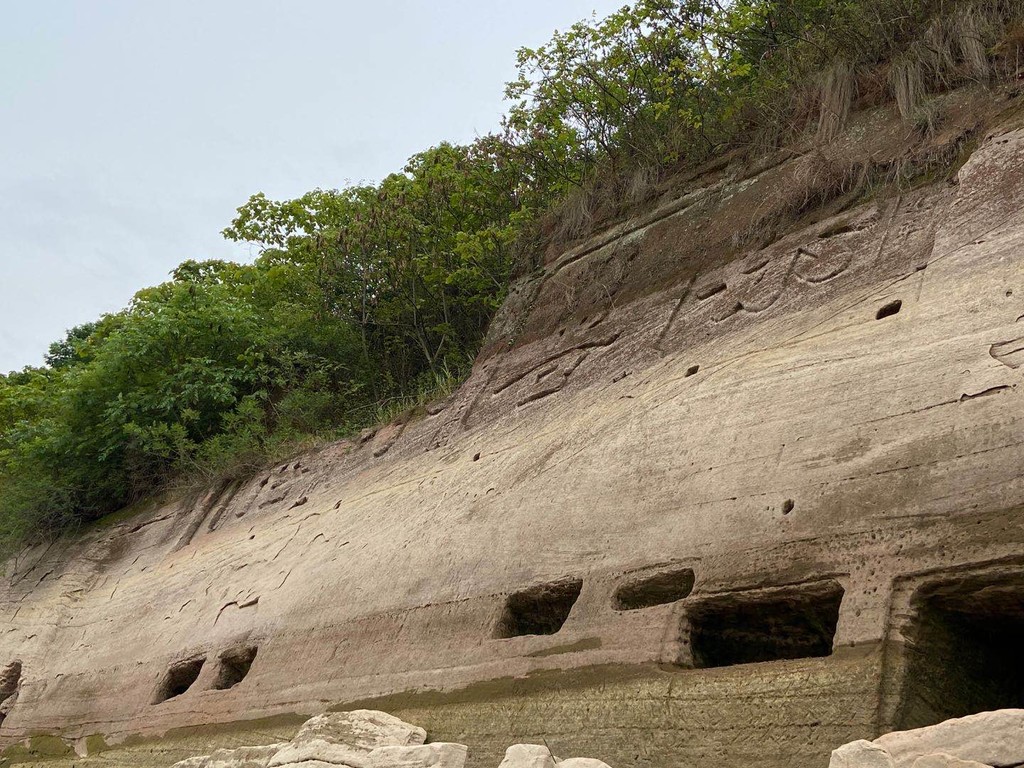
737, 479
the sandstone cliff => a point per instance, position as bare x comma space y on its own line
736, 480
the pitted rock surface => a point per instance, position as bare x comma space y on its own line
722, 480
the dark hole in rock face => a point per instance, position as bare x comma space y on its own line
179, 678
234, 666
890, 309
963, 654
540, 610
10, 682
793, 623
662, 588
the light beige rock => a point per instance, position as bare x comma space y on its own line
582, 762
861, 754
437, 754
324, 751
943, 760
242, 757
528, 756
989, 738
200, 761
361, 729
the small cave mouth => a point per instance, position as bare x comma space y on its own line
233, 666
660, 589
797, 622
179, 678
962, 654
539, 610
890, 309
10, 685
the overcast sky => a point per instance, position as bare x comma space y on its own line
130, 131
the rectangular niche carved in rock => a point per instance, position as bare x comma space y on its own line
963, 652
659, 589
790, 623
234, 665
540, 610
179, 678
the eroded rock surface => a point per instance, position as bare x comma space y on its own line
725, 480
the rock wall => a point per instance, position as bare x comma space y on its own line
734, 479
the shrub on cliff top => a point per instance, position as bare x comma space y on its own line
373, 295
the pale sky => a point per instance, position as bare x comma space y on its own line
131, 131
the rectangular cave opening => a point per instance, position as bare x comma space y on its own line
796, 622
233, 666
179, 678
963, 651
659, 589
539, 610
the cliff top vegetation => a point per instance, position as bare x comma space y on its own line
370, 299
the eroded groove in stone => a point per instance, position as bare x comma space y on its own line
662, 588
792, 623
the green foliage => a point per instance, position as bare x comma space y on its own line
360, 301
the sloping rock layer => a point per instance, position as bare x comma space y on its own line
734, 482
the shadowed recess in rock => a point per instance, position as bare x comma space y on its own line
792, 623
662, 588
963, 653
540, 610
890, 309
10, 682
234, 665
179, 678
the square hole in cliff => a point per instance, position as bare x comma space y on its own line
179, 678
790, 623
233, 666
659, 589
540, 610
963, 650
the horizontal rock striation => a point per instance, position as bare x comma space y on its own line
724, 481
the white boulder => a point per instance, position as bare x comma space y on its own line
990, 738
528, 756
861, 754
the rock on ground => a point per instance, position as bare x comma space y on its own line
370, 739
861, 754
989, 738
528, 756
